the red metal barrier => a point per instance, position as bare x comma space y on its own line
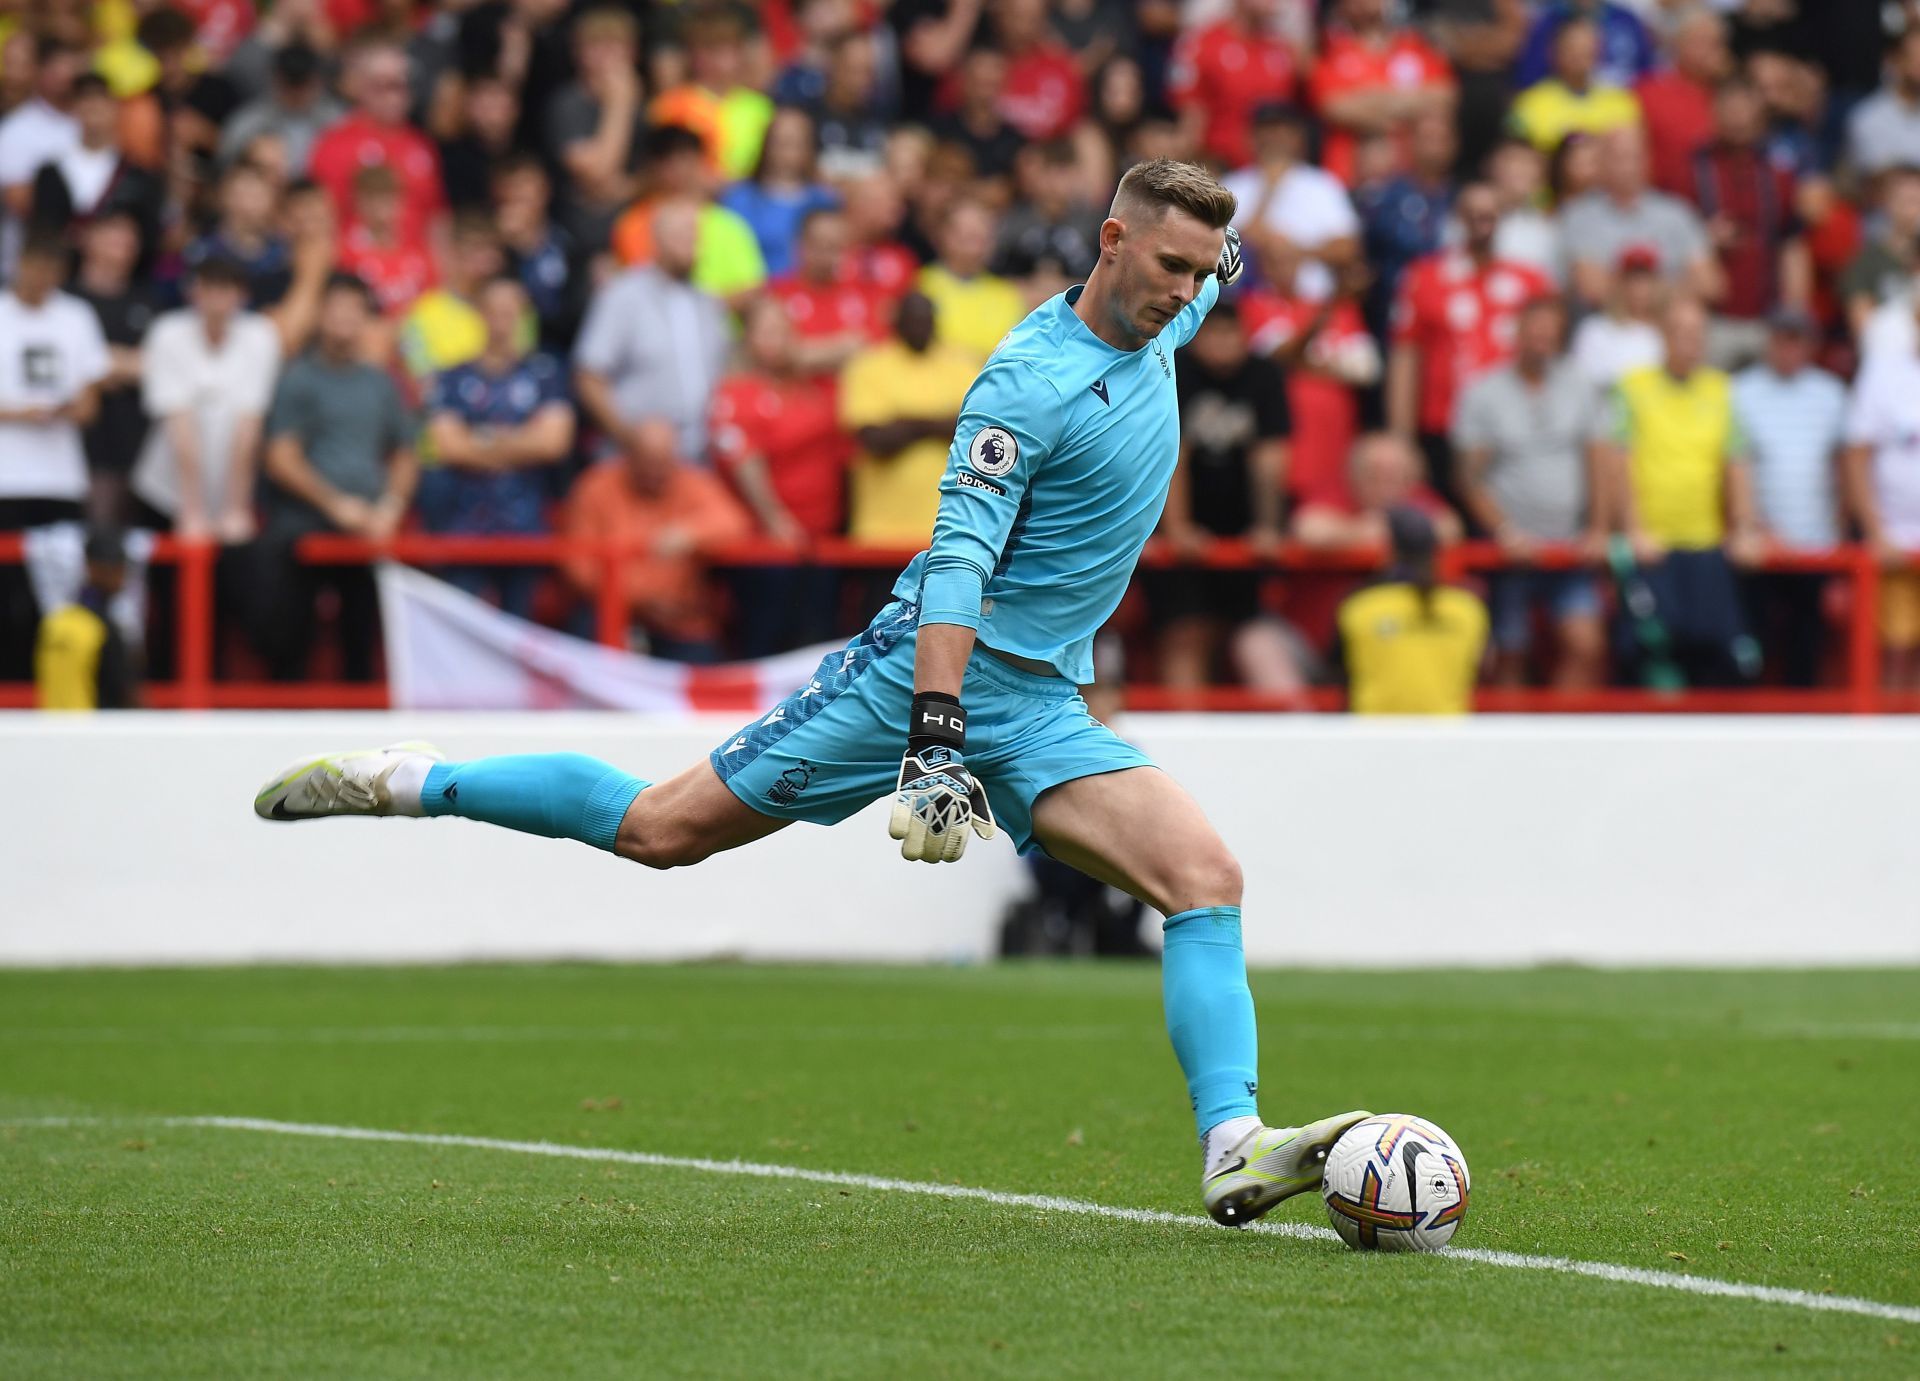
196, 687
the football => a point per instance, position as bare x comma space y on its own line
1396, 1183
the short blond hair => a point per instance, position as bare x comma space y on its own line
1162, 183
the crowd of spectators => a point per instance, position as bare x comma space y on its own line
1628, 278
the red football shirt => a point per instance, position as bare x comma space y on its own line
1461, 318
1678, 117
887, 269
357, 142
1326, 412
397, 273
1348, 64
218, 25
1044, 94
831, 309
794, 425
1227, 73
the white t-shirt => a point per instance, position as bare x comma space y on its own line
48, 355
33, 134
1884, 413
88, 173
1310, 206
1891, 329
1605, 349
181, 372
1530, 237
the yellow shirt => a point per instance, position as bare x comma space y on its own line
972, 313
1547, 112
894, 498
1680, 435
66, 659
441, 332
1403, 659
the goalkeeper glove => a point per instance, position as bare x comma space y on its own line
937, 799
1230, 263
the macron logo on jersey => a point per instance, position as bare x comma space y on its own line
1100, 392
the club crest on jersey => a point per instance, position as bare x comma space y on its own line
993, 451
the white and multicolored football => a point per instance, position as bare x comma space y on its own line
1396, 1183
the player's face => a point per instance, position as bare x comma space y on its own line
1162, 265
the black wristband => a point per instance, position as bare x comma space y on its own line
937, 721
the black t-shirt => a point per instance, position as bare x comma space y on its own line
993, 152
466, 169
1222, 418
1027, 240
113, 441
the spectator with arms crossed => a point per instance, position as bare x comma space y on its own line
1529, 437
495, 428
1684, 498
900, 399
654, 344
339, 457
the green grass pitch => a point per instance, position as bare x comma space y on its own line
1755, 1128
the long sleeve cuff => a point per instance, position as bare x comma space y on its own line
951, 595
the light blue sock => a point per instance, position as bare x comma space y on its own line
560, 795
1203, 983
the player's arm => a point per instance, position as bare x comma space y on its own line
1009, 423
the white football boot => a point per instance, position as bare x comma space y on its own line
351, 783
1269, 1164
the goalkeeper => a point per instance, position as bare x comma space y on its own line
961, 698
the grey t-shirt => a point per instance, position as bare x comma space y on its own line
1539, 439
1882, 133
662, 346
348, 419
1597, 230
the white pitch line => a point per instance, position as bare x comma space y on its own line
1046, 1203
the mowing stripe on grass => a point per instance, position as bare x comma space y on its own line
1046, 1203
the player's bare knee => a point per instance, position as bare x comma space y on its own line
1205, 877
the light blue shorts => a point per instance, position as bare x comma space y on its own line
835, 744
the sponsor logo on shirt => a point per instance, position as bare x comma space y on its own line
973, 481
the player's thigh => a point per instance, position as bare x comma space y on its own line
687, 818
1139, 830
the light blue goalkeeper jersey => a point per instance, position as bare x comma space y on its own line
1058, 473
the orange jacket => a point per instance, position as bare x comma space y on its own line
668, 594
